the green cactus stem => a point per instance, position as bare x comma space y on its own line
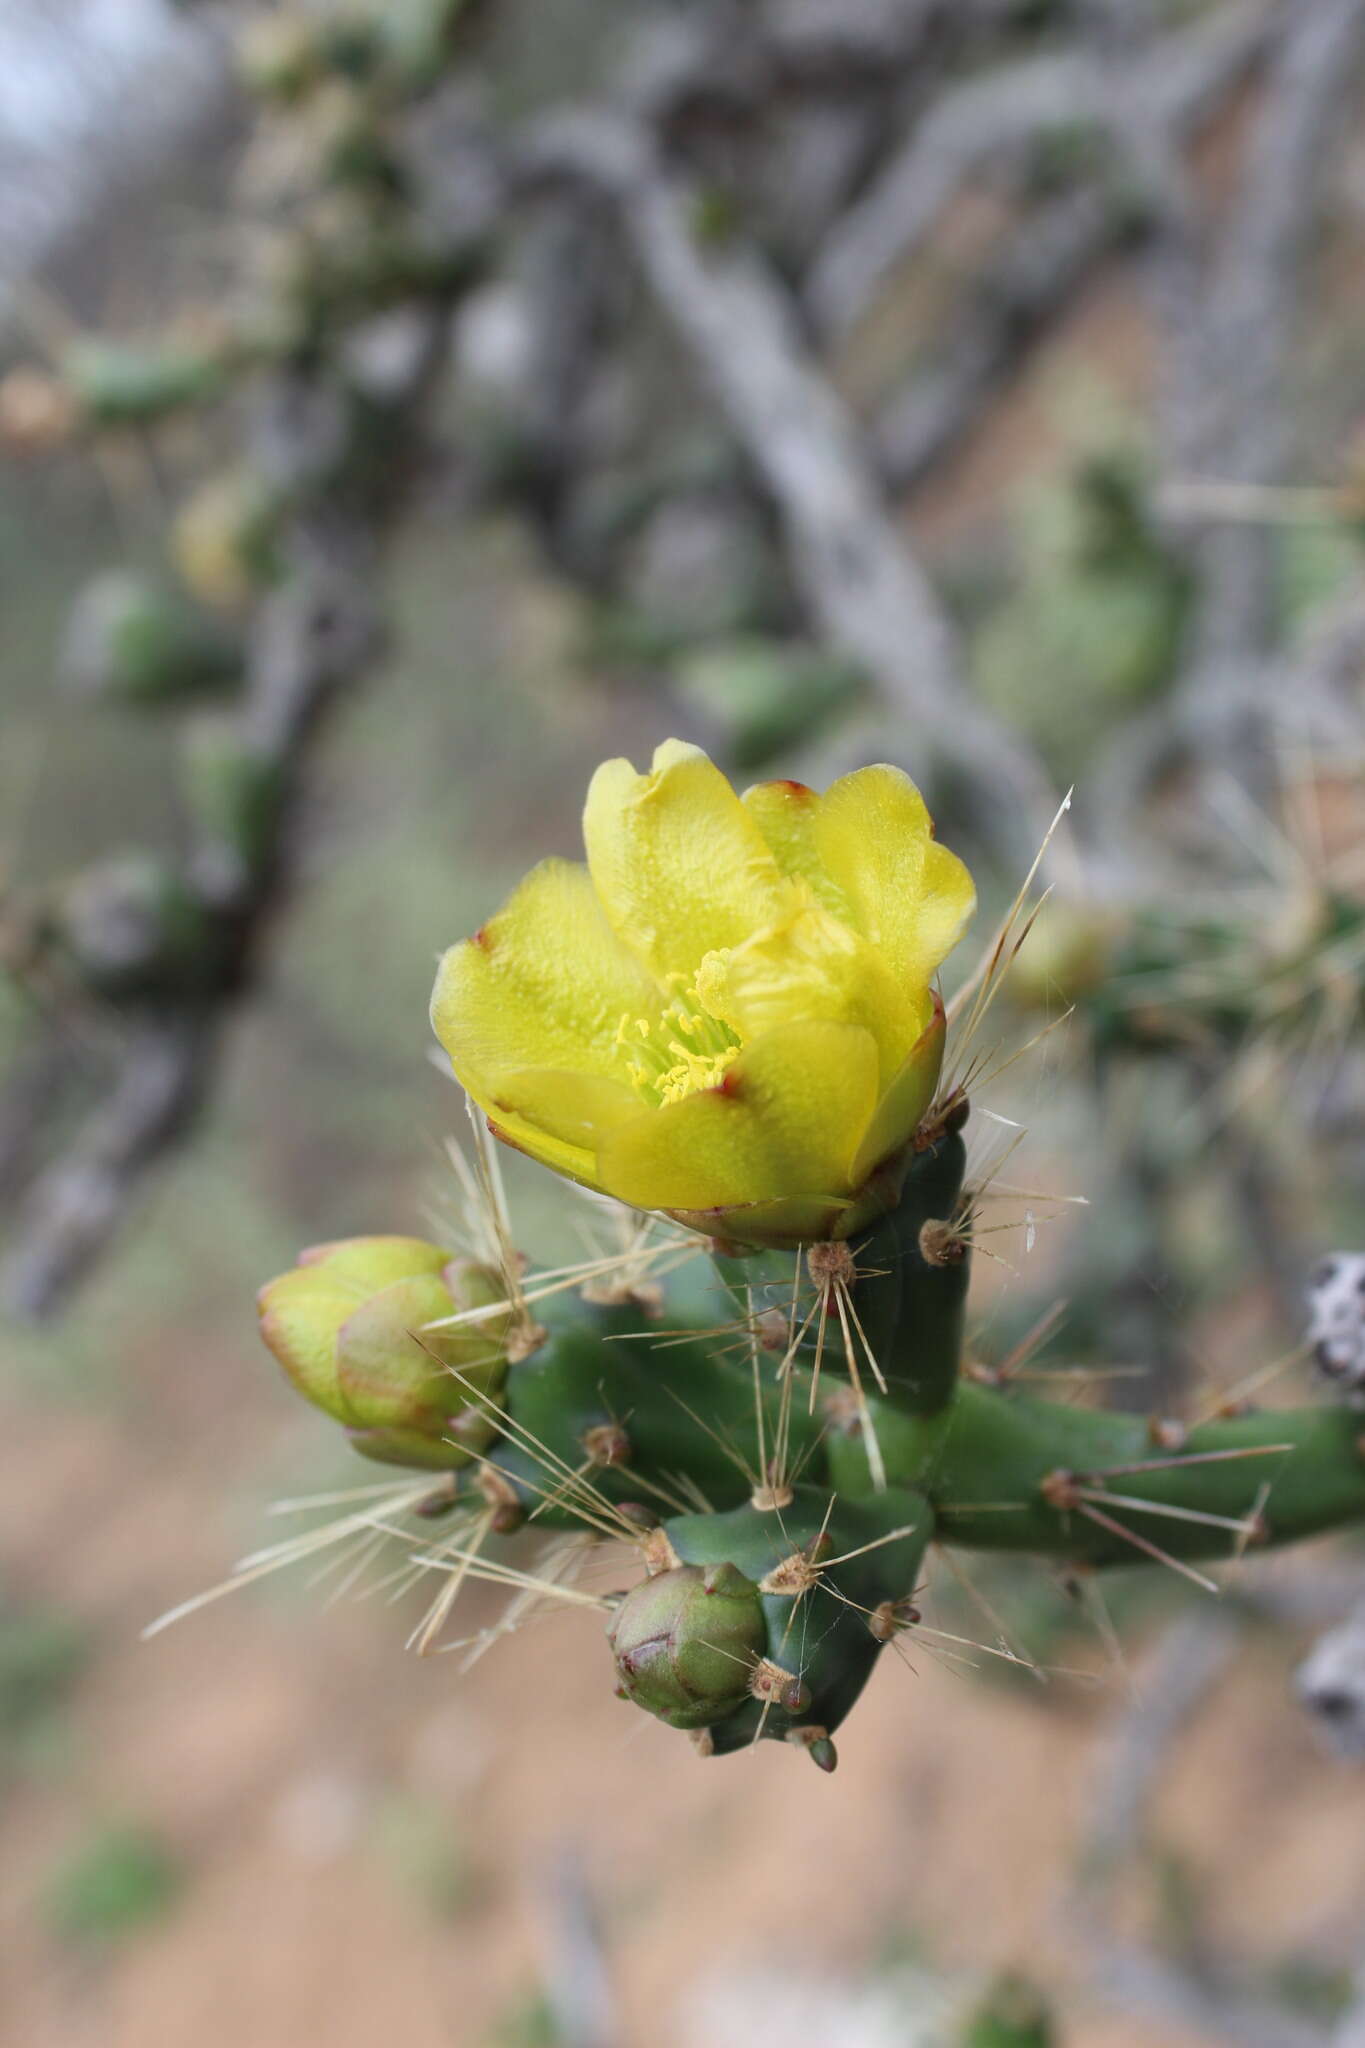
660, 1426
911, 1293
1006, 1471
828, 1574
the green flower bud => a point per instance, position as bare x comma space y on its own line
687, 1641
350, 1324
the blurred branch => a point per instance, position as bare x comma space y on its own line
79, 1201
315, 633
1227, 313
1228, 354
84, 62
864, 588
577, 1977
1330, 1682
1052, 250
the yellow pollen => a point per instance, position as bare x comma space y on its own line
684, 1050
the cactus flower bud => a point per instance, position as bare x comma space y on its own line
349, 1324
728, 1014
687, 1641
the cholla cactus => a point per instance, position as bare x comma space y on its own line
728, 1019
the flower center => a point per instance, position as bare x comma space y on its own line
674, 1055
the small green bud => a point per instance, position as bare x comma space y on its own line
687, 1641
350, 1324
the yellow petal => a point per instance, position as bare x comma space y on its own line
906, 894
544, 984
575, 1162
679, 865
814, 966
579, 1109
785, 1122
785, 813
904, 1103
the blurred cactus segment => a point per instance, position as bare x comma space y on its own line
232, 791
133, 929
763, 698
1012, 2014
126, 384
223, 540
1099, 609
352, 1326
134, 641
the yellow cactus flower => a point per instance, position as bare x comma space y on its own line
729, 1013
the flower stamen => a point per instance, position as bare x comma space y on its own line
686, 1049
